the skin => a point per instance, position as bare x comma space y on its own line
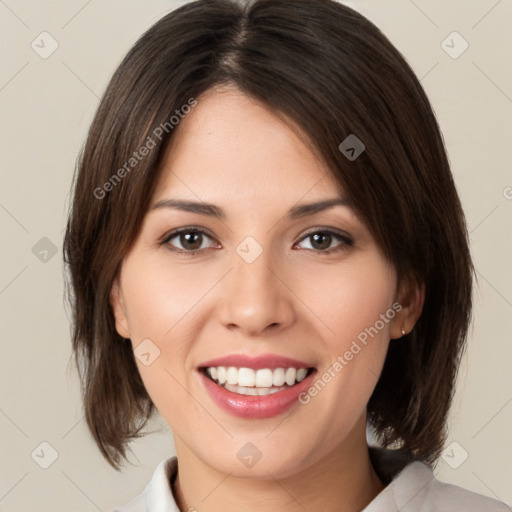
293, 300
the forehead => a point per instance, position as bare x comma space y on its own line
231, 143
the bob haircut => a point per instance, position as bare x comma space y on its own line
330, 72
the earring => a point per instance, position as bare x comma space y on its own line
403, 332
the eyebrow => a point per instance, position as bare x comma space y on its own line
212, 210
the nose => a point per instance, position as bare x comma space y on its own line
256, 298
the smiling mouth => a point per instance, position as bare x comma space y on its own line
260, 382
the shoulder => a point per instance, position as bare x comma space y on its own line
417, 489
413, 487
442, 493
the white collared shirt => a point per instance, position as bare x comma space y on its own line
412, 488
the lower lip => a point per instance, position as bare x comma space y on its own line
247, 406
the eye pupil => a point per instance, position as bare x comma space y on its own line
186, 239
321, 236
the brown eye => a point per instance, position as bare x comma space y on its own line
186, 240
191, 240
321, 241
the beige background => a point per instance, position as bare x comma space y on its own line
46, 106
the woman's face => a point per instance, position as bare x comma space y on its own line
261, 282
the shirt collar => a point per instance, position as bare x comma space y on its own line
158, 494
407, 481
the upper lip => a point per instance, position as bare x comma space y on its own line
271, 361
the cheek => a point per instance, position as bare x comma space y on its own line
355, 305
160, 298
354, 302
165, 303
349, 297
157, 304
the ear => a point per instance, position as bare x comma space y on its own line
411, 297
119, 309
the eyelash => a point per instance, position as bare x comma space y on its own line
345, 240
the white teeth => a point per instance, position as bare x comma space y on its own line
278, 377
221, 374
291, 373
246, 377
241, 390
232, 374
301, 374
262, 379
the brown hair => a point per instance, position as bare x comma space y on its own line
331, 71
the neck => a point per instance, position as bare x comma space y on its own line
343, 481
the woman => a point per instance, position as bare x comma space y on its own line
266, 246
